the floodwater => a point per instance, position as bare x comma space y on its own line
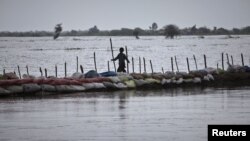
174, 115
45, 52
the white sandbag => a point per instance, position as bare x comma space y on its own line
115, 79
179, 81
123, 78
88, 86
99, 86
78, 88
15, 89
210, 76
189, 80
120, 86
165, 81
48, 88
26, 76
197, 80
109, 85
140, 82
152, 81
65, 88
206, 78
130, 84
3, 91
77, 75
31, 88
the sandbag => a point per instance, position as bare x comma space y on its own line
48, 88
99, 86
165, 81
78, 88
137, 76
65, 88
114, 79
120, 86
91, 74
31, 88
109, 85
189, 80
151, 81
197, 80
108, 74
77, 75
130, 83
26, 76
4, 91
88, 86
15, 89
210, 76
123, 78
140, 82
10, 75
179, 81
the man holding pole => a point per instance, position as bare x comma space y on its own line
122, 57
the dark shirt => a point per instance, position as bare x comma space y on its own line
122, 57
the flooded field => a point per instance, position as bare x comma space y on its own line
45, 52
176, 114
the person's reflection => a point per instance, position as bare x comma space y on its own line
123, 99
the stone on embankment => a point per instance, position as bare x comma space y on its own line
31, 88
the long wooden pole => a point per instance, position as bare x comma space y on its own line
95, 62
65, 69
133, 69
144, 65
19, 72
195, 62
222, 60
81, 68
76, 63
140, 64
151, 66
3, 71
227, 59
162, 70
127, 57
205, 60
188, 65
112, 53
232, 59
56, 70
27, 69
108, 66
45, 71
242, 59
172, 64
176, 63
41, 71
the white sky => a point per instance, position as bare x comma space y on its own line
27, 15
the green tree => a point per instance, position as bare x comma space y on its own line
171, 31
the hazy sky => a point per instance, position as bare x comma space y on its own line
26, 15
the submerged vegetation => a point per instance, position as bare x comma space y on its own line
170, 31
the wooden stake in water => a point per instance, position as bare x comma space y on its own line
195, 62
108, 66
188, 65
45, 71
3, 71
176, 64
41, 71
222, 60
227, 59
140, 64
81, 68
242, 59
144, 65
19, 72
112, 53
56, 70
133, 69
232, 59
76, 63
217, 66
127, 57
151, 66
205, 61
95, 62
27, 69
65, 69
162, 70
172, 64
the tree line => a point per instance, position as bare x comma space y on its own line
170, 31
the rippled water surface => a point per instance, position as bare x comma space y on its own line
46, 53
177, 114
